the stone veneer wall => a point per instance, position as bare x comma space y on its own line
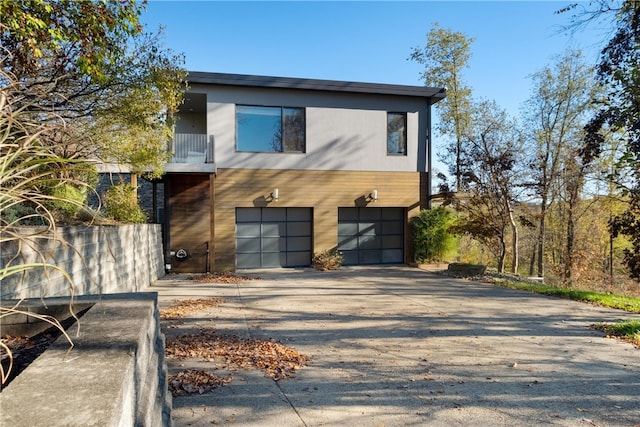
99, 260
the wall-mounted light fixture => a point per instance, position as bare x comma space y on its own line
373, 196
275, 194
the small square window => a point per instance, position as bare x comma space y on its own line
397, 134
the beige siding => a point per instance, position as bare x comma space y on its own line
324, 191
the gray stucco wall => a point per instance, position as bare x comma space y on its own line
98, 259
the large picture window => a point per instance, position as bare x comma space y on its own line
397, 134
270, 129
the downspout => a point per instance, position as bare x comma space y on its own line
428, 142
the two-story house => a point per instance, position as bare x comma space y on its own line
268, 170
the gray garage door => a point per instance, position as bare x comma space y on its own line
371, 235
273, 237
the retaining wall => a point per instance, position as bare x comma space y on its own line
99, 259
115, 375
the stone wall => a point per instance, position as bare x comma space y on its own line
98, 259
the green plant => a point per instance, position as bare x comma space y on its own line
66, 199
121, 204
431, 236
328, 259
28, 167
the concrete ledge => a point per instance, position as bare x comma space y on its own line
115, 375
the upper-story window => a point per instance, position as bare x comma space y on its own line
397, 134
270, 129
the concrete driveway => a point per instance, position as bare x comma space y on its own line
399, 346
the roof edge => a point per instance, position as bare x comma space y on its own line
435, 94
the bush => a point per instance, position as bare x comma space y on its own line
328, 259
121, 204
431, 236
66, 199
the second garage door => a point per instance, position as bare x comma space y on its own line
371, 235
273, 237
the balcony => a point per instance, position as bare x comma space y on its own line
191, 153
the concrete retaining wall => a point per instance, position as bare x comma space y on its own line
115, 375
99, 259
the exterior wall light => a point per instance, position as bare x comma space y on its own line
275, 194
373, 196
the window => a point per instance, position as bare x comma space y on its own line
397, 134
270, 129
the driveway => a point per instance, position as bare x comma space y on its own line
399, 346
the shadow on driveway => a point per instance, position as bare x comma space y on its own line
399, 346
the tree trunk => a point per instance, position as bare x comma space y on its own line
503, 254
541, 236
532, 263
514, 243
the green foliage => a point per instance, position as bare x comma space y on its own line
630, 304
431, 234
66, 199
110, 81
28, 167
628, 331
618, 70
328, 259
445, 55
121, 204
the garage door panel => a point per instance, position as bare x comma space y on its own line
270, 244
298, 244
392, 228
368, 242
391, 242
273, 259
273, 230
248, 245
392, 214
248, 230
349, 257
369, 214
392, 256
247, 215
369, 257
298, 229
249, 260
346, 243
347, 229
299, 214
274, 214
368, 228
298, 259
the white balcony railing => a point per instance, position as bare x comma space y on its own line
192, 148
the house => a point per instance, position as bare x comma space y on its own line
268, 170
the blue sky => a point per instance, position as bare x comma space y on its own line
370, 41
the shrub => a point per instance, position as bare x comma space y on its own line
431, 236
328, 259
121, 204
66, 199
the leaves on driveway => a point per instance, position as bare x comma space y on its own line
185, 307
273, 358
226, 277
194, 381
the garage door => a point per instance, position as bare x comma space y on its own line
273, 237
371, 235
